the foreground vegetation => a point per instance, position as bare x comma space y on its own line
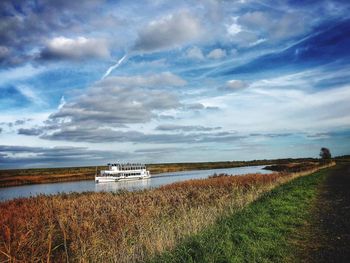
51, 175
265, 231
124, 226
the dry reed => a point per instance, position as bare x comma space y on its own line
124, 226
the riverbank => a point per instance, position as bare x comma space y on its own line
124, 226
8, 193
15, 177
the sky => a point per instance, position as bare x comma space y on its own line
92, 82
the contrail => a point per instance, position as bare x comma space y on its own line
114, 66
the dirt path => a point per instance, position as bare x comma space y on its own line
327, 236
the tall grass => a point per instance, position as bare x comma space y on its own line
268, 230
123, 226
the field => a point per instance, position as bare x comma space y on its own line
125, 226
51, 175
305, 220
326, 236
264, 231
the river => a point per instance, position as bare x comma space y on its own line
9, 193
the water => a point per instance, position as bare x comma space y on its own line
156, 181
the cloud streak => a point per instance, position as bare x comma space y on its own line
110, 69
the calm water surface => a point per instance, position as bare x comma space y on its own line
156, 181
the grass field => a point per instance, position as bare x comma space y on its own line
127, 226
262, 232
326, 236
51, 175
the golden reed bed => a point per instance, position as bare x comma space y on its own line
124, 226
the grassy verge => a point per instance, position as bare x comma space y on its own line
261, 232
326, 237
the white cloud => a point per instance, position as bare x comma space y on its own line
185, 128
168, 32
274, 27
217, 53
62, 102
75, 48
195, 53
235, 84
233, 28
271, 108
164, 79
245, 38
255, 20
116, 101
259, 41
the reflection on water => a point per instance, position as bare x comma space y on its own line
155, 181
116, 186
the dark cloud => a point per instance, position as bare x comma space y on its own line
93, 135
18, 149
212, 108
102, 113
27, 24
19, 122
75, 48
168, 32
113, 103
15, 123
185, 128
271, 135
233, 86
165, 117
159, 150
24, 156
198, 107
195, 106
330, 134
160, 80
108, 135
110, 103
30, 132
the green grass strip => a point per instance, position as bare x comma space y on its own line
261, 232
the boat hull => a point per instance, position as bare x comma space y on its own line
106, 179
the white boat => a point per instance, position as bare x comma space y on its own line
121, 172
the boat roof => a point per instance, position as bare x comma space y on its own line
126, 164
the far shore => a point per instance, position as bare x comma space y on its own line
16, 177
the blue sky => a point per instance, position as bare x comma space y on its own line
172, 81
